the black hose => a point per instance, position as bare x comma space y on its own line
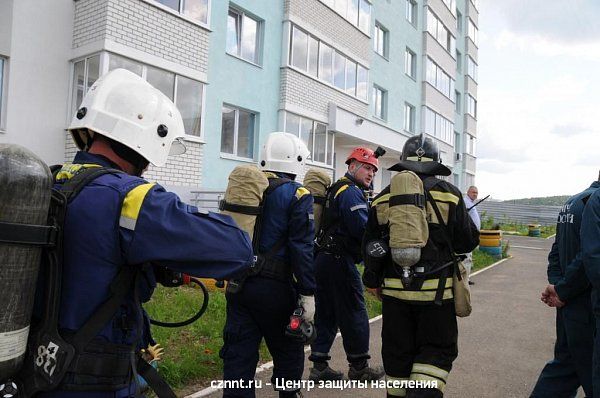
193, 318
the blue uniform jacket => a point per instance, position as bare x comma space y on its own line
351, 207
288, 211
590, 240
118, 220
565, 268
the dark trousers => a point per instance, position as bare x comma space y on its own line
339, 303
419, 342
572, 363
261, 309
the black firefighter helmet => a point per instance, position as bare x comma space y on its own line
421, 155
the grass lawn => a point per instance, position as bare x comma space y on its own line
191, 356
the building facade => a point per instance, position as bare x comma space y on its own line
338, 73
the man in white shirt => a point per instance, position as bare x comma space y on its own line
470, 200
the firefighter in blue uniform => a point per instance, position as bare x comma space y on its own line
570, 292
339, 294
267, 299
420, 332
120, 221
590, 252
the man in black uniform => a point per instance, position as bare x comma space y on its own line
570, 292
419, 321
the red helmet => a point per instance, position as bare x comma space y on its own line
364, 155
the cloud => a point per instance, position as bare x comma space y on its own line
565, 22
568, 130
545, 46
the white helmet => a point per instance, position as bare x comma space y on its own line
124, 107
284, 152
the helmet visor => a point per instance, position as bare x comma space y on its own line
177, 147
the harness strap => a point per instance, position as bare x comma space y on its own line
28, 234
430, 183
408, 199
121, 285
320, 200
154, 380
243, 209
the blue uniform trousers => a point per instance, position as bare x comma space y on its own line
261, 309
572, 363
339, 303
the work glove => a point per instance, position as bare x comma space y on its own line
308, 305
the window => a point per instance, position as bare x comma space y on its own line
443, 36
459, 25
187, 94
411, 11
470, 144
471, 68
314, 134
456, 101
357, 12
471, 106
451, 4
439, 79
85, 73
458, 61
410, 63
438, 126
237, 132
379, 102
2, 69
409, 118
196, 10
472, 31
243, 36
312, 56
380, 40
299, 49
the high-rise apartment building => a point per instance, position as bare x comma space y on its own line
339, 73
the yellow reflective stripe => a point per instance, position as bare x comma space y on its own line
419, 159
416, 295
132, 205
396, 392
68, 170
427, 369
429, 284
438, 383
300, 192
342, 189
444, 197
382, 198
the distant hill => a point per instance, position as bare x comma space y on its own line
547, 201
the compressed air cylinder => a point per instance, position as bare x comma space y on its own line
408, 221
26, 184
245, 187
317, 182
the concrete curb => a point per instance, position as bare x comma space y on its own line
269, 365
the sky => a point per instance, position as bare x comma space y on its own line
538, 130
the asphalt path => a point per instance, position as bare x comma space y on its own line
503, 345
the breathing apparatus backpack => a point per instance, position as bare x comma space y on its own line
405, 229
317, 182
41, 360
325, 237
246, 193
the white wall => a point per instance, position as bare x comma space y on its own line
38, 78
